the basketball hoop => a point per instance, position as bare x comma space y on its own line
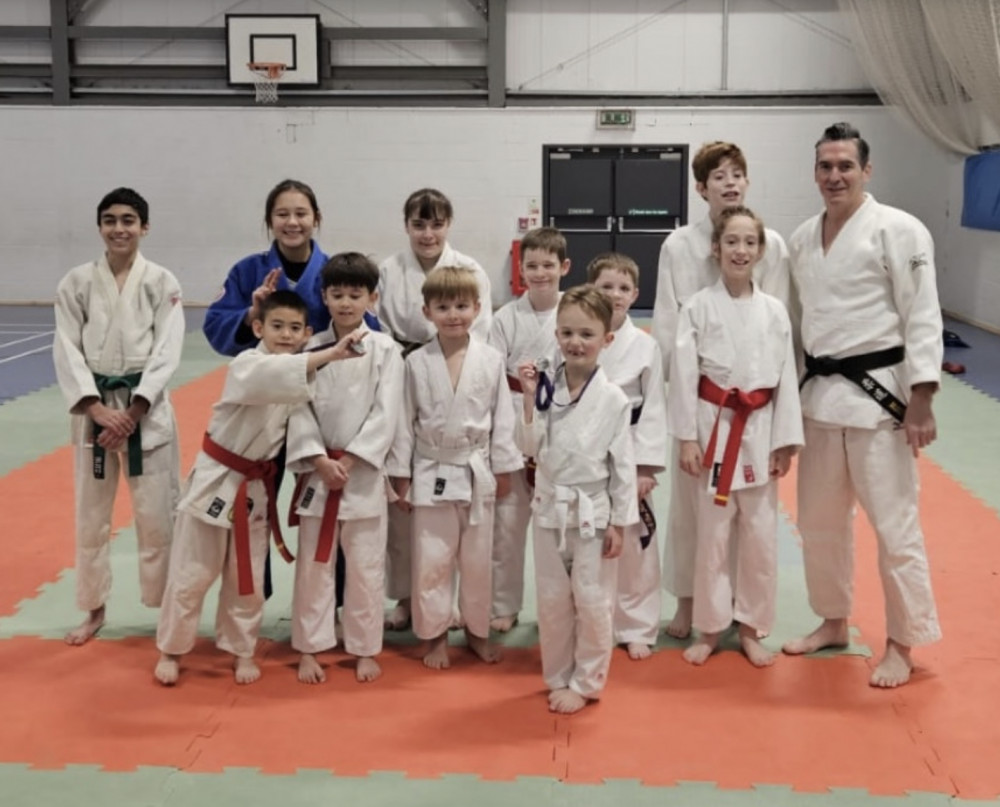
266, 76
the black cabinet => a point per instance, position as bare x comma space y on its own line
615, 199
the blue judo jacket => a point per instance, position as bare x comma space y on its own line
225, 315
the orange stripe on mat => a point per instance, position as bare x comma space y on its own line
42, 496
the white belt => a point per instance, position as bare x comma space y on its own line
565, 495
484, 485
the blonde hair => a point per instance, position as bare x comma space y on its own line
450, 283
616, 262
734, 212
588, 298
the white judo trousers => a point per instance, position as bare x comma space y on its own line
201, 552
511, 517
444, 542
314, 602
751, 560
637, 599
876, 467
154, 497
682, 528
576, 598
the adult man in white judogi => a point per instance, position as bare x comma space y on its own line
871, 331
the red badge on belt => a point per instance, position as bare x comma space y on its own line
748, 474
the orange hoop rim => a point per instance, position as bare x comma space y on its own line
273, 70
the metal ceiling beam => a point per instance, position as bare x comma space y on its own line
496, 54
24, 32
59, 24
473, 33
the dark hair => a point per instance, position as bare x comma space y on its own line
427, 203
350, 269
546, 239
289, 185
711, 155
591, 301
124, 196
616, 262
844, 131
283, 298
731, 213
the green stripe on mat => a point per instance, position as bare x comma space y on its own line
86, 786
968, 443
37, 424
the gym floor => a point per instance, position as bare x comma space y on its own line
90, 724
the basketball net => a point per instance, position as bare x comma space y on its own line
266, 76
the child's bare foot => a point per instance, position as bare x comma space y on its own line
702, 648
831, 633
457, 620
680, 626
436, 656
399, 617
566, 701
368, 670
637, 651
503, 624
310, 671
87, 629
246, 670
757, 654
484, 648
168, 669
895, 667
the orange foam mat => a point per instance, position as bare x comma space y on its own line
41, 498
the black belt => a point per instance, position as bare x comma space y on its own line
407, 346
855, 368
636, 414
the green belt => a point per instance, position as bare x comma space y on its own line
109, 383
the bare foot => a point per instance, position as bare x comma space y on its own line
503, 624
436, 656
566, 701
310, 671
680, 626
702, 648
831, 633
457, 620
399, 617
484, 648
167, 669
87, 629
757, 654
895, 667
637, 651
367, 670
246, 670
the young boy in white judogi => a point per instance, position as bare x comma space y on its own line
452, 458
523, 330
427, 216
119, 333
338, 447
687, 266
633, 362
734, 407
576, 425
228, 503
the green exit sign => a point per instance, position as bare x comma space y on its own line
616, 119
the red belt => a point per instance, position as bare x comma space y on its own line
250, 469
742, 404
514, 383
328, 526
